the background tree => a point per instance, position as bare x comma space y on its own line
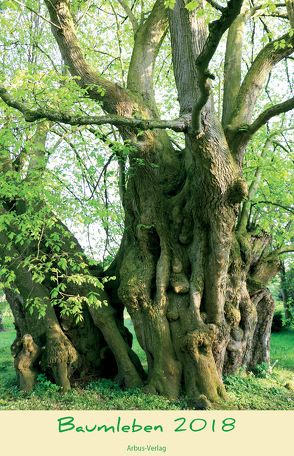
287, 292
2, 309
194, 258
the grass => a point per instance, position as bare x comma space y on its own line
252, 392
261, 390
7, 374
282, 349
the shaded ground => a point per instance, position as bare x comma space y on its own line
261, 390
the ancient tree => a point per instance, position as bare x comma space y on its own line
192, 268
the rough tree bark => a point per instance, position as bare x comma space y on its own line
192, 279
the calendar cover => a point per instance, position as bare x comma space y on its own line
146, 227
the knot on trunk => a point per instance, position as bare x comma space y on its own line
199, 342
232, 314
59, 349
179, 283
28, 354
177, 265
26, 362
237, 192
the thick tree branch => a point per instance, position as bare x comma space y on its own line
232, 67
116, 99
216, 30
255, 79
266, 115
243, 134
31, 115
187, 35
148, 39
205, 85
